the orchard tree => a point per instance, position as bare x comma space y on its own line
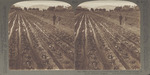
25, 8
92, 9
51, 8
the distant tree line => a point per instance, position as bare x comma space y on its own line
127, 8
119, 8
79, 8
13, 7
57, 8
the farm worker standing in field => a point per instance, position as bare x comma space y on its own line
54, 19
59, 19
120, 19
125, 19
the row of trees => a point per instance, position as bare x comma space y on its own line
119, 8
61, 8
15, 8
127, 8
31, 9
57, 8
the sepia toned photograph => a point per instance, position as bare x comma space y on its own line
41, 35
107, 36
96, 35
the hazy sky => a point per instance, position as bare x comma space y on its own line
90, 4
47, 3
95, 4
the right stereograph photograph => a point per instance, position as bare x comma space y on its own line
107, 36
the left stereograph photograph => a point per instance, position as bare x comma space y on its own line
41, 35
